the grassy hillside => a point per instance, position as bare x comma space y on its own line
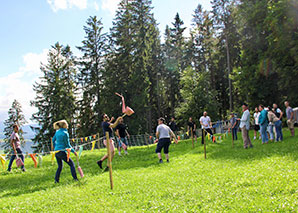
264, 178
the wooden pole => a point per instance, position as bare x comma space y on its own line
204, 139
232, 139
193, 145
109, 159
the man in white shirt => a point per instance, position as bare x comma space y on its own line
244, 125
163, 135
206, 125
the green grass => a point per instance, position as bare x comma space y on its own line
264, 178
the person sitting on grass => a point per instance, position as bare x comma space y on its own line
61, 143
122, 135
108, 127
16, 147
163, 135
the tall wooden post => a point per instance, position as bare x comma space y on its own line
193, 145
232, 139
109, 159
204, 139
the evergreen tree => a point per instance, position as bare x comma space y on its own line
134, 62
174, 62
15, 116
55, 94
90, 77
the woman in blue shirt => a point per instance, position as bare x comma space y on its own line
263, 122
61, 143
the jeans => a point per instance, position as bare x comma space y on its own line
62, 156
278, 129
264, 133
234, 133
19, 151
270, 130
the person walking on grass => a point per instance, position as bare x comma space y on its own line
206, 125
244, 125
234, 127
263, 121
290, 118
16, 147
191, 125
163, 135
107, 126
61, 143
122, 135
256, 123
278, 124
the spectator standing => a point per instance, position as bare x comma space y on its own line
278, 124
263, 122
191, 125
256, 123
234, 127
244, 125
290, 117
272, 118
173, 125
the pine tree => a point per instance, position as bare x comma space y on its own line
15, 116
55, 94
134, 62
90, 77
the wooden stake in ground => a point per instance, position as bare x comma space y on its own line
52, 147
233, 139
193, 145
204, 139
109, 159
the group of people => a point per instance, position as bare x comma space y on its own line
264, 118
266, 121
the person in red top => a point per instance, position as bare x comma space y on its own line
16, 146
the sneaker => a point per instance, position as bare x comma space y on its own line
160, 161
251, 146
106, 169
119, 153
255, 137
126, 153
99, 163
56, 181
168, 161
24, 170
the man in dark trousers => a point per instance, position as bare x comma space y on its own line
191, 125
173, 125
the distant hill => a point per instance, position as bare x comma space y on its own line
29, 133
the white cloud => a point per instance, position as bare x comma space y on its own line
19, 85
110, 5
67, 4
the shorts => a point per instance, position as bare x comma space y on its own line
290, 124
122, 140
111, 144
163, 143
257, 127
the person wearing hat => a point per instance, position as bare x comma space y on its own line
61, 143
16, 146
107, 126
163, 135
244, 125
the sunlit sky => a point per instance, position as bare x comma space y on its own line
30, 27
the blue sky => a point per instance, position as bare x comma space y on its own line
29, 28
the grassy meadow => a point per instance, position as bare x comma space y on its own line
263, 178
